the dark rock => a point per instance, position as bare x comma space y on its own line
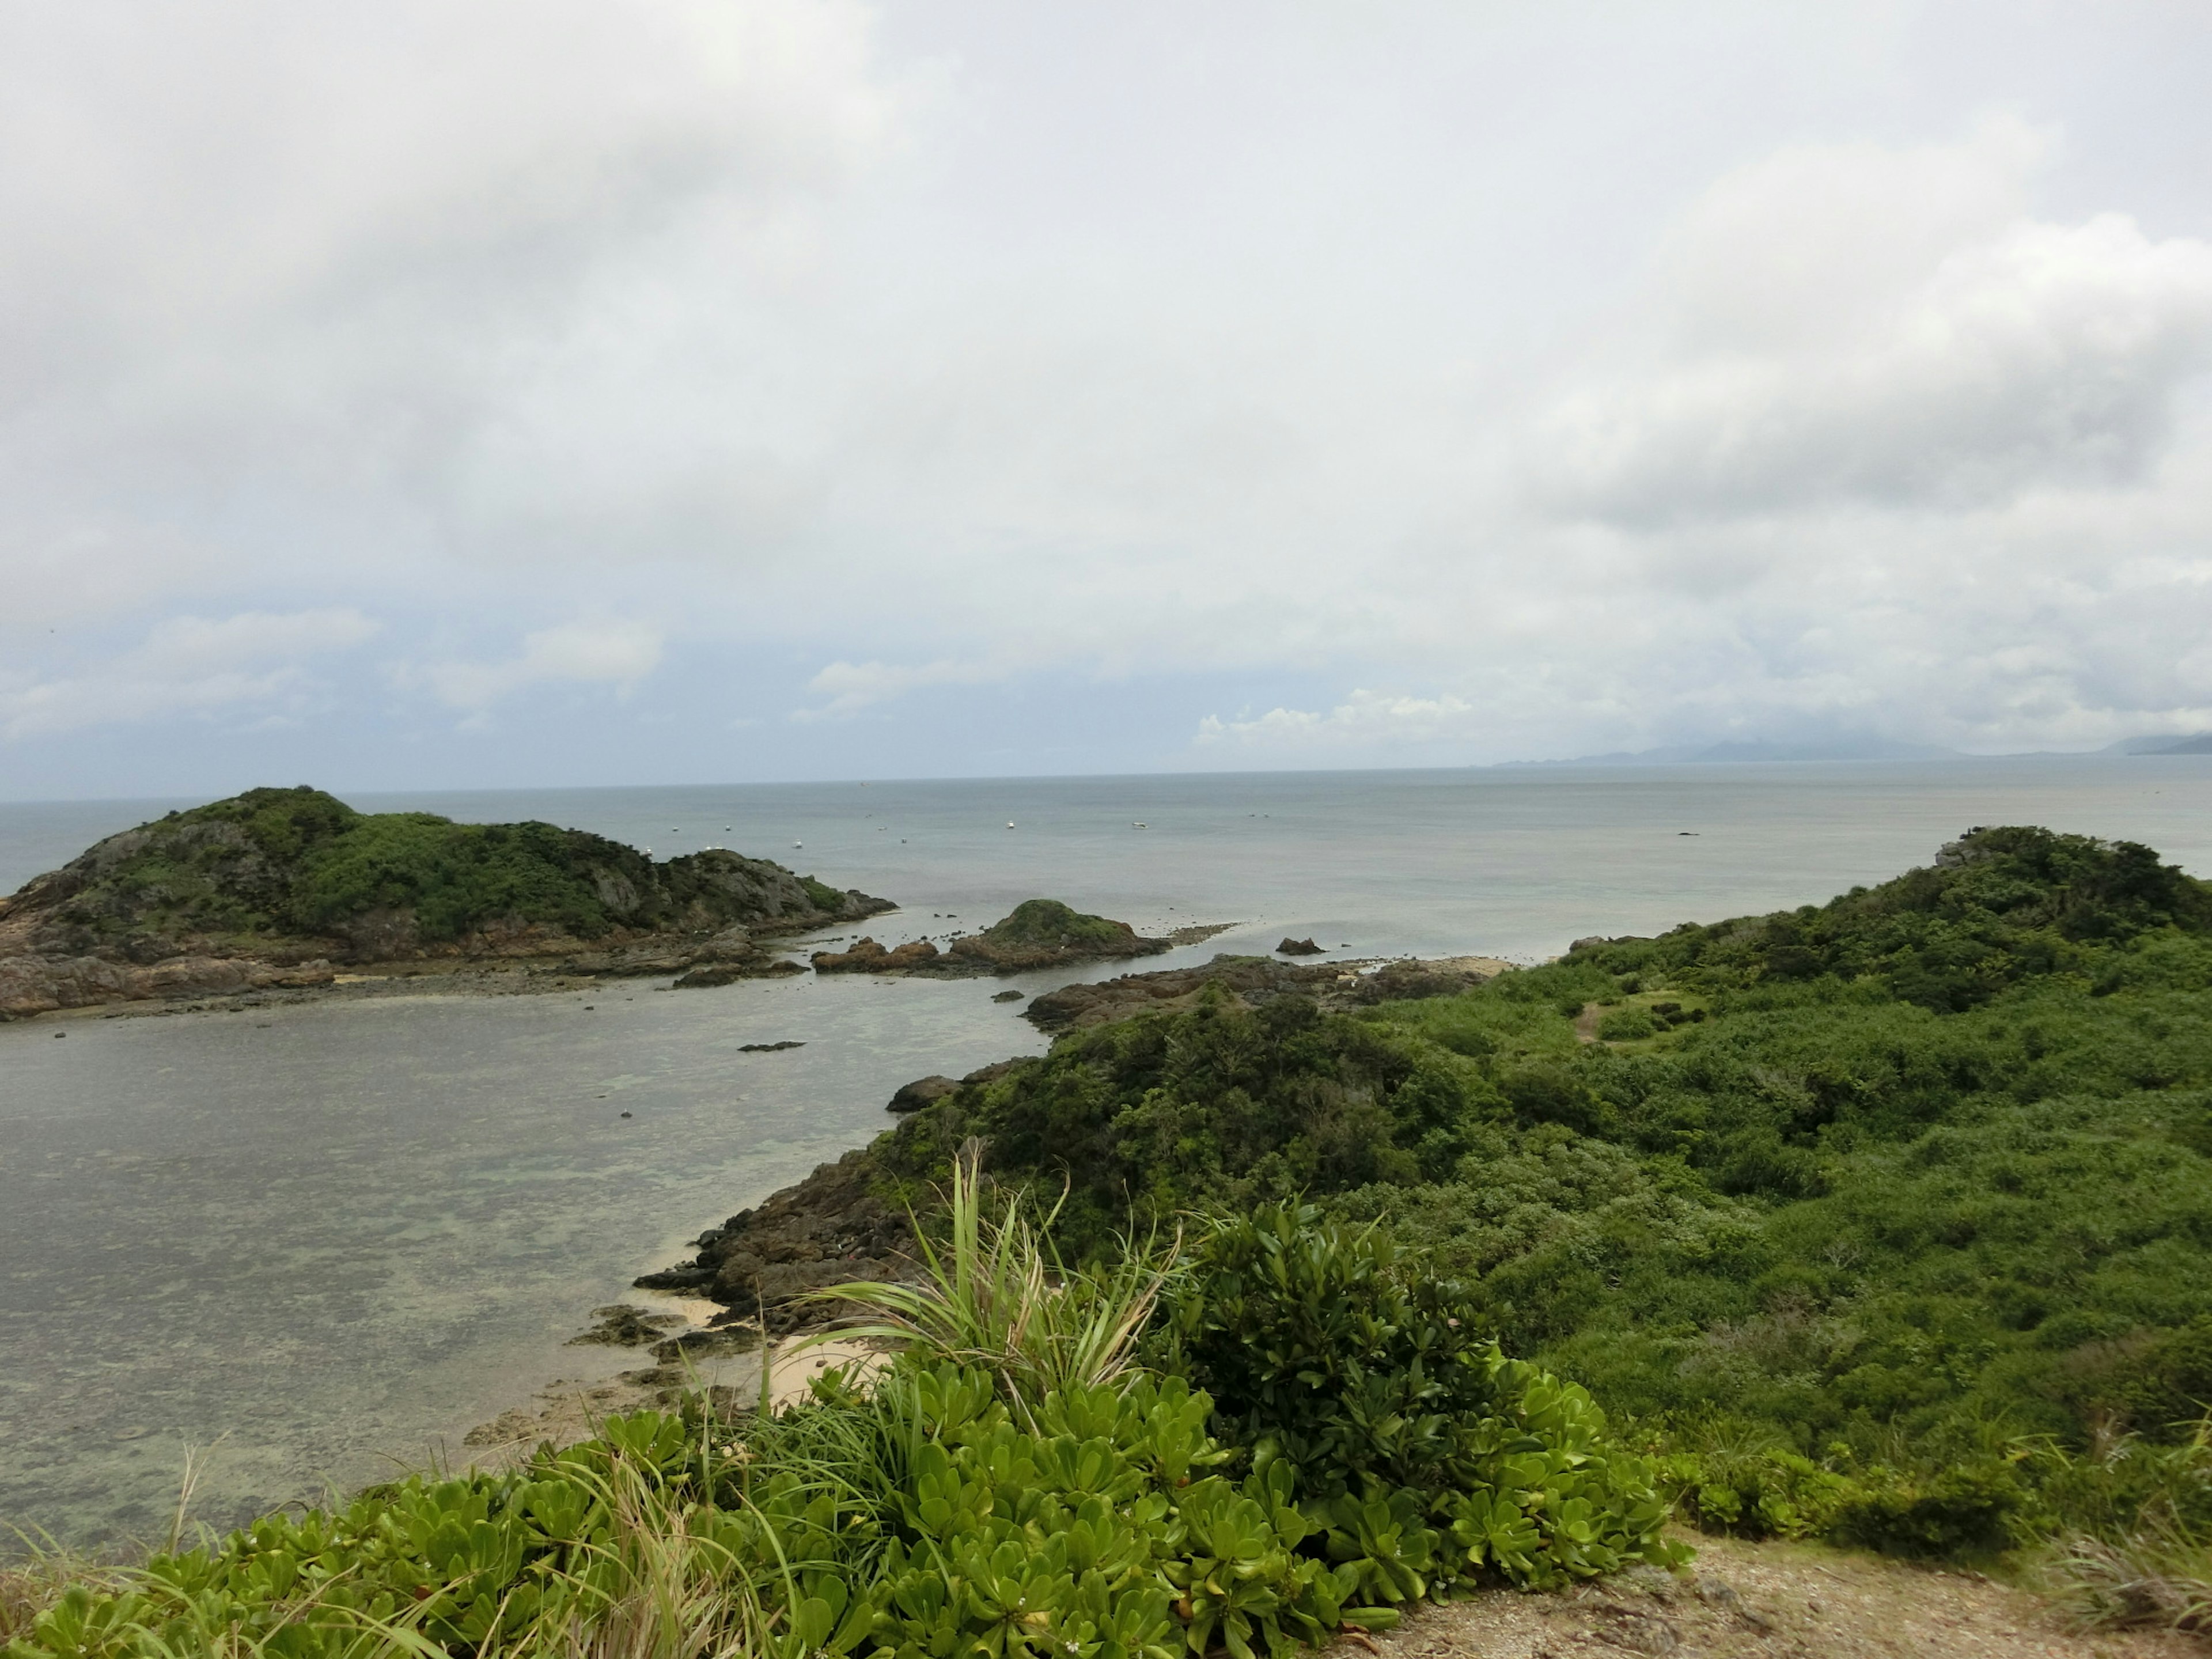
728, 973
997, 1068
1007, 996
769, 1048
1046, 933
1250, 979
622, 1326
868, 956
683, 1276
707, 1343
1299, 947
922, 1092
830, 1227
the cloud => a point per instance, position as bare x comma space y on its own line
1564, 388
1858, 323
1364, 720
852, 686
252, 663
618, 654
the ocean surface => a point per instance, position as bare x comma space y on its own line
319, 1241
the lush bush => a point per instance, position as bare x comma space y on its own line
1222, 1107
298, 861
947, 1509
1410, 1433
1900, 1235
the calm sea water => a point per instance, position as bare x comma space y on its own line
325, 1237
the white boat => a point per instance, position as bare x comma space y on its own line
1010, 824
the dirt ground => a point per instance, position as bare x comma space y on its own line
1740, 1601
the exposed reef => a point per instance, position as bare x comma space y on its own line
292, 889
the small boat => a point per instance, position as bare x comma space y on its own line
799, 843
1010, 824
1138, 823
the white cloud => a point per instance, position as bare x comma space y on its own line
1887, 326
852, 686
1364, 721
251, 663
617, 654
1594, 377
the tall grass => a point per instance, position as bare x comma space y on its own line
996, 1294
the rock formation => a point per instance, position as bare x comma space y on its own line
279, 888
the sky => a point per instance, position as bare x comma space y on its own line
617, 392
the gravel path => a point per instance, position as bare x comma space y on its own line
1742, 1600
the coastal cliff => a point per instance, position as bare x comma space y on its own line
287, 887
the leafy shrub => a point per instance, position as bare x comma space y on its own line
1626, 1025
1220, 1107
1421, 1445
947, 1510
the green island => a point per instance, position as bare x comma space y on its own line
1887, 1222
271, 888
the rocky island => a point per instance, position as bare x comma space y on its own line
1038, 933
292, 888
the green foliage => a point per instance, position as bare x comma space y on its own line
1425, 1453
297, 861
947, 1511
997, 1296
1626, 1025
1999, 906
457, 878
1047, 922
1222, 1106
1896, 1237
826, 898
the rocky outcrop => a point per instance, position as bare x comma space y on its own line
922, 1092
1253, 981
830, 1228
38, 985
271, 888
1299, 947
1036, 934
869, 958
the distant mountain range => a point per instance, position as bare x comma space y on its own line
1758, 752
2198, 744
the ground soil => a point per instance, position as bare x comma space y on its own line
1742, 1600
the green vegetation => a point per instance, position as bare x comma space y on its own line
273, 863
1047, 923
1060, 1498
1889, 1218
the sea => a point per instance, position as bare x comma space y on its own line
302, 1247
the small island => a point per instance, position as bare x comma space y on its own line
1038, 933
279, 889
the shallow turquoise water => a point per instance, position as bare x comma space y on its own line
330, 1235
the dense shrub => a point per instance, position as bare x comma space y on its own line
938, 1511
1901, 1235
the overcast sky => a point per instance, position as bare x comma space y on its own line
570, 391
